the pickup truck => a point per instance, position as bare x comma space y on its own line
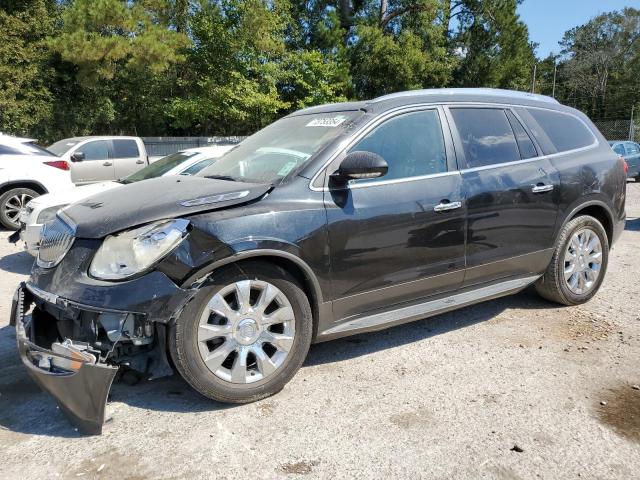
99, 158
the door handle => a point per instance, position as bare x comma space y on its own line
107, 164
541, 188
445, 206
140, 162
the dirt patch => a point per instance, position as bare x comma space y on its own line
107, 465
409, 420
574, 324
619, 409
298, 468
266, 409
585, 325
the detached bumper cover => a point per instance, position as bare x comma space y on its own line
81, 394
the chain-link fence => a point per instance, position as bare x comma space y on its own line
618, 129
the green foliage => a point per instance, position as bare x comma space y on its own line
25, 99
601, 64
200, 67
494, 46
102, 37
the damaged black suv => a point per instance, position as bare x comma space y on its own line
334, 220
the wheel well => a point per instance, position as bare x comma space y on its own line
599, 213
299, 274
24, 184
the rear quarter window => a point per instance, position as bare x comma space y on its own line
564, 131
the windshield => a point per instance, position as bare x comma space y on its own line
159, 167
272, 153
63, 146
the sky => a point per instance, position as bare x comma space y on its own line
547, 20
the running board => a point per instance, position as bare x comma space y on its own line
379, 321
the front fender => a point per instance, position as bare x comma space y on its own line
243, 249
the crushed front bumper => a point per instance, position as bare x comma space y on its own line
81, 392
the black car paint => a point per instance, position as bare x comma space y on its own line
355, 251
155, 199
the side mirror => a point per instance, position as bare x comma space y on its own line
357, 165
77, 156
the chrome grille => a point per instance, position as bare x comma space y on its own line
55, 241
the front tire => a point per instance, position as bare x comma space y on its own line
579, 263
11, 202
245, 335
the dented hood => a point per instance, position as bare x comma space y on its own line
157, 199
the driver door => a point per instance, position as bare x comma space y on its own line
400, 237
97, 165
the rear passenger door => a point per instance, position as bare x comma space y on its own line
126, 156
512, 194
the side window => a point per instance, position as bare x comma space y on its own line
412, 144
125, 149
487, 137
525, 145
632, 148
619, 149
4, 150
196, 167
96, 150
565, 131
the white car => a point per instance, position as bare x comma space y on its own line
27, 171
44, 208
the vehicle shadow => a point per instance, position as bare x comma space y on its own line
24, 409
19, 262
366, 343
633, 224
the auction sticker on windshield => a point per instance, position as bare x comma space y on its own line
327, 121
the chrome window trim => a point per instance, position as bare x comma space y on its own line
409, 108
402, 180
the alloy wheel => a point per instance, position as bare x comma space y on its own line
14, 204
246, 331
582, 261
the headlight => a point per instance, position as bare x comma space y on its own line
48, 214
128, 253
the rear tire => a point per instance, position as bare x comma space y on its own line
11, 202
579, 263
267, 340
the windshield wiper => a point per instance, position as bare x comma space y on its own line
221, 177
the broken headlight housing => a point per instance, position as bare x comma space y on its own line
131, 252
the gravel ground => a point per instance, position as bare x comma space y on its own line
514, 388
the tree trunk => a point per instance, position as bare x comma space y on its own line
346, 18
384, 6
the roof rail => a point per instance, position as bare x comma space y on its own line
496, 92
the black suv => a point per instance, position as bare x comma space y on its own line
334, 220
